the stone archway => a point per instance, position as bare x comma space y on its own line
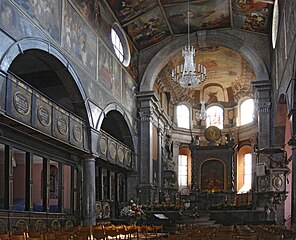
211, 38
30, 51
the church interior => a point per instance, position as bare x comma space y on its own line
147, 119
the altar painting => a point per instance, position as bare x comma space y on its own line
212, 176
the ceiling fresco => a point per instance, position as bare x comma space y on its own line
149, 22
228, 79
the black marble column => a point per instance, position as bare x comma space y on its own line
263, 97
146, 188
160, 141
88, 191
292, 143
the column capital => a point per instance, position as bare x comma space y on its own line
264, 107
88, 157
146, 115
262, 85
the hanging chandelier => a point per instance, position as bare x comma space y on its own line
189, 74
201, 115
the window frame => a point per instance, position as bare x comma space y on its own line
183, 175
189, 115
208, 116
124, 42
240, 111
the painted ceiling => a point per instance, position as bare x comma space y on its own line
228, 78
147, 22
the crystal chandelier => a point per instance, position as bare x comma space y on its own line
201, 115
186, 75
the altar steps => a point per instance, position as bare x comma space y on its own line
203, 219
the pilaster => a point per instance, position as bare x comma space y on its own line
292, 143
147, 105
263, 96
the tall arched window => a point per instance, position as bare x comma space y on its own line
182, 171
215, 116
247, 111
183, 116
244, 169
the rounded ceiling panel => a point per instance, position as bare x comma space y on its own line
228, 78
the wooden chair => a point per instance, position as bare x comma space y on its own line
35, 238
49, 236
18, 237
99, 233
177, 237
142, 232
81, 236
131, 231
63, 236
5, 236
111, 232
247, 237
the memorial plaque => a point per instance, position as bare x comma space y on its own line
60, 123
103, 145
2, 92
120, 154
76, 131
42, 117
128, 158
112, 150
19, 100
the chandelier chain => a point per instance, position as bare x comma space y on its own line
189, 74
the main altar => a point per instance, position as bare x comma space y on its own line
212, 165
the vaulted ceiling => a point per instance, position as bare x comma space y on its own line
148, 22
229, 76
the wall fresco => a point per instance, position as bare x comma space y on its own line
90, 9
251, 16
16, 23
128, 10
203, 15
78, 39
46, 13
148, 29
104, 64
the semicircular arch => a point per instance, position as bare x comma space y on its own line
212, 38
29, 44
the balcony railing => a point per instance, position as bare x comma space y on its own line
114, 151
29, 107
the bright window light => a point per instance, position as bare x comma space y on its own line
183, 116
182, 171
117, 45
247, 111
215, 116
247, 173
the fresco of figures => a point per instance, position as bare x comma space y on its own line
290, 22
148, 29
133, 66
104, 64
78, 39
128, 10
251, 16
46, 13
209, 15
116, 80
90, 9
128, 91
16, 23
